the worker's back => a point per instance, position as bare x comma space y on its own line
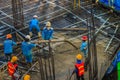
80, 68
27, 47
11, 68
8, 44
34, 22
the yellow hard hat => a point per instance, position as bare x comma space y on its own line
48, 24
14, 59
79, 56
27, 77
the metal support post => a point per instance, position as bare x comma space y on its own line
18, 18
74, 4
79, 3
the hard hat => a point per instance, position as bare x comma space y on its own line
14, 59
48, 24
84, 38
27, 77
8, 36
35, 16
79, 56
28, 37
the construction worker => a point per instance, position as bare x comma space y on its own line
47, 33
79, 68
83, 47
34, 24
27, 49
12, 67
8, 46
27, 77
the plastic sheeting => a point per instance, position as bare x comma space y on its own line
117, 5
104, 2
114, 63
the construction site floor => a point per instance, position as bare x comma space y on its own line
62, 15
65, 58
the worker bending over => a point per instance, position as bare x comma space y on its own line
47, 33
27, 49
83, 47
79, 68
12, 67
34, 24
27, 77
8, 46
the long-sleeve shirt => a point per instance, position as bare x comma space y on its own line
83, 47
27, 48
8, 46
47, 34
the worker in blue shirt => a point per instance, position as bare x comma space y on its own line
8, 46
27, 49
34, 24
83, 47
47, 33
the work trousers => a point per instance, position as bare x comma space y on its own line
80, 77
8, 56
13, 78
34, 27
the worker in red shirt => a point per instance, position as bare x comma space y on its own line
12, 67
79, 68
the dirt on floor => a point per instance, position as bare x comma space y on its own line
65, 58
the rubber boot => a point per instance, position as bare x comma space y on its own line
39, 35
30, 33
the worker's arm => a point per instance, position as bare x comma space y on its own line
39, 46
16, 66
74, 71
14, 43
18, 43
85, 47
51, 36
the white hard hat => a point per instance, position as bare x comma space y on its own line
28, 37
35, 16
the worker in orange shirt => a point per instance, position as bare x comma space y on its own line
12, 67
79, 68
